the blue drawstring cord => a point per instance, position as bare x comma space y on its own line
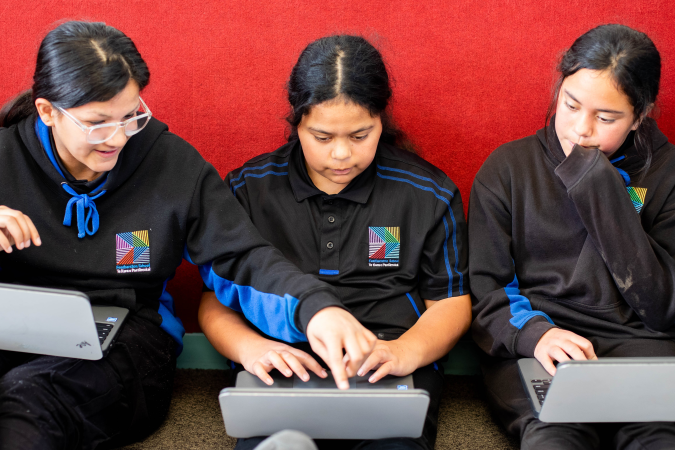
623, 173
82, 202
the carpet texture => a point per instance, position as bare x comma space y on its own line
469, 75
194, 421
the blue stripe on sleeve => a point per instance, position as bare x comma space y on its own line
329, 272
521, 309
454, 228
186, 256
272, 314
417, 311
418, 315
171, 324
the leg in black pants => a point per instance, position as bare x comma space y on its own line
49, 402
426, 378
512, 408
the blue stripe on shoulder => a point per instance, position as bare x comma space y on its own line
272, 314
256, 168
171, 324
454, 230
416, 176
520, 306
256, 175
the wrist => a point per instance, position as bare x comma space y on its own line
408, 354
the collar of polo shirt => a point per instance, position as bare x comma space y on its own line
358, 190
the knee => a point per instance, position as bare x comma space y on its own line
559, 436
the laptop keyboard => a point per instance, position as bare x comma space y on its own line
103, 330
541, 388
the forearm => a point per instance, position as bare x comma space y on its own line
226, 329
437, 330
643, 269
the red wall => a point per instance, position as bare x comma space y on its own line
470, 75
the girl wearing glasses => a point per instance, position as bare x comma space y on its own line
572, 238
99, 197
379, 223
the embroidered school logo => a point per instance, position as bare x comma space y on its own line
637, 196
384, 246
133, 252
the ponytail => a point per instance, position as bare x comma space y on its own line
17, 109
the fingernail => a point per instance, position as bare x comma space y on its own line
38, 241
305, 377
288, 373
26, 244
344, 385
269, 382
19, 245
324, 373
9, 250
359, 373
371, 379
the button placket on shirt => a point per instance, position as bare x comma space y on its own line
330, 235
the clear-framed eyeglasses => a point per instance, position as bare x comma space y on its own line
98, 134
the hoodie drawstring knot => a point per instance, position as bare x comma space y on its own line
82, 202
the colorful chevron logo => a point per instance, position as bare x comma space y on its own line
637, 196
133, 252
384, 246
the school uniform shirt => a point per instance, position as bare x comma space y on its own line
579, 242
122, 239
392, 238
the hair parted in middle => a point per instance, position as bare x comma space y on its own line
348, 67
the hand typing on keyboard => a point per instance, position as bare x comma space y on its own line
562, 345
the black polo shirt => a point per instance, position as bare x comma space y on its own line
394, 236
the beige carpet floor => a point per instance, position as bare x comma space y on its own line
194, 420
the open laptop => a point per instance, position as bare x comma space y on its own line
604, 390
56, 322
389, 408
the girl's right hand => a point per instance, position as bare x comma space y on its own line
270, 355
16, 229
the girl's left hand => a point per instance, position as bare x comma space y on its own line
391, 358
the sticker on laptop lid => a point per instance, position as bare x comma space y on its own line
111, 319
402, 387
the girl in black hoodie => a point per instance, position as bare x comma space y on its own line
137, 200
572, 237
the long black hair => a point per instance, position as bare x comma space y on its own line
633, 62
78, 63
343, 66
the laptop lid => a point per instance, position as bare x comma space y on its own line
604, 390
54, 322
365, 411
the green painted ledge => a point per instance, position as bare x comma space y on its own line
198, 353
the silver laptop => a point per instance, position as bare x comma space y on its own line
604, 390
389, 408
56, 322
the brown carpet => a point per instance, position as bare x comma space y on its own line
194, 420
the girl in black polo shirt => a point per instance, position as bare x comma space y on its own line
572, 238
345, 203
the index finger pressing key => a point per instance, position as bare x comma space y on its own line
34, 235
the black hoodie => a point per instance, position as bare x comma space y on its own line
564, 242
161, 203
